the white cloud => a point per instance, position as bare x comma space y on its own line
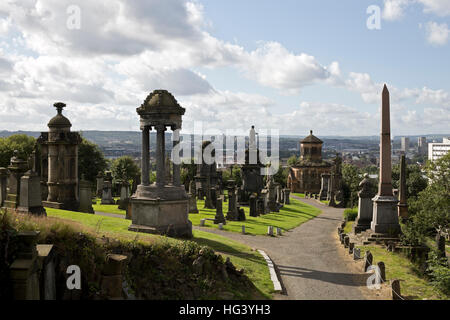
437, 34
438, 7
394, 9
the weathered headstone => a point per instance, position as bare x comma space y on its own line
85, 196
346, 241
107, 189
368, 260
253, 209
16, 170
111, 283
356, 253
351, 246
243, 229
99, 178
202, 222
192, 198
395, 287
324, 186
47, 261
219, 218
365, 206
270, 230
124, 195
3, 182
382, 269
220, 226
279, 232
30, 194
241, 214
232, 213
287, 193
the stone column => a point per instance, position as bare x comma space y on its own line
145, 156
402, 206
160, 151
385, 215
176, 175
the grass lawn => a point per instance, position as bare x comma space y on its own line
289, 217
399, 267
241, 255
108, 208
348, 227
301, 195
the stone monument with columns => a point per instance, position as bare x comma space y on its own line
59, 162
162, 207
385, 216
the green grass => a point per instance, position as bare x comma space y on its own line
108, 208
399, 267
241, 255
348, 227
289, 217
301, 195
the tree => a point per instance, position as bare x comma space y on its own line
350, 184
21, 142
90, 160
124, 168
415, 182
292, 160
431, 210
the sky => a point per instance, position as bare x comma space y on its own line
288, 65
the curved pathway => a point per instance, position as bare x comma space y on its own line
308, 259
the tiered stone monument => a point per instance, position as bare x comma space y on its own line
107, 189
385, 216
59, 162
160, 208
402, 205
16, 169
365, 206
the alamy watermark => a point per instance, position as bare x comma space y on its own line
374, 20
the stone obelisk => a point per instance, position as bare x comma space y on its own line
402, 206
385, 217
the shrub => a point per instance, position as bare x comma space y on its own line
439, 272
350, 214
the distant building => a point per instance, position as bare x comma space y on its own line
437, 150
405, 144
422, 146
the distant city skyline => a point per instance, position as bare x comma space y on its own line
291, 66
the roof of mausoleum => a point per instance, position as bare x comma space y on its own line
306, 163
311, 139
160, 101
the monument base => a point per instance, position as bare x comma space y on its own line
155, 214
385, 217
71, 206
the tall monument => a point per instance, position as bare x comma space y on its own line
385, 217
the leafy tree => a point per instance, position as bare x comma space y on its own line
21, 142
124, 168
188, 171
415, 182
350, 182
431, 210
90, 160
281, 176
292, 160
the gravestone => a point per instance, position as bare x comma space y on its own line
107, 189
243, 229
368, 260
202, 222
346, 241
219, 218
111, 282
253, 208
16, 170
323, 194
365, 206
241, 214
30, 194
395, 287
382, 269
124, 195
47, 261
270, 231
192, 198
232, 214
99, 178
356, 254
3, 182
287, 193
272, 196
279, 232
265, 201
85, 196
351, 247
136, 182
220, 226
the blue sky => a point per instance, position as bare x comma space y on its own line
289, 65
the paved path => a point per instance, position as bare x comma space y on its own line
307, 258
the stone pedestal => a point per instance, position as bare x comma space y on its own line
161, 210
385, 217
365, 209
30, 194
